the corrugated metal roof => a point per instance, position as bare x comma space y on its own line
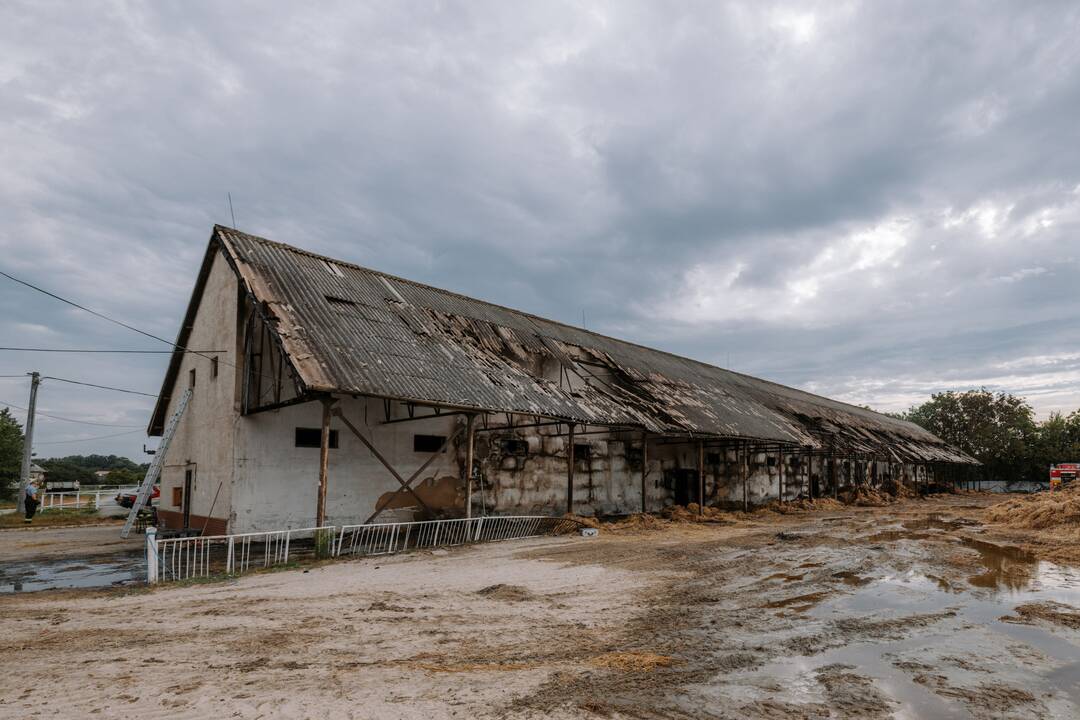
349, 329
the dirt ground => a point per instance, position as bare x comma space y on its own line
912, 610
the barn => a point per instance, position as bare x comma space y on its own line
328, 393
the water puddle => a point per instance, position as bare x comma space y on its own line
937, 522
104, 571
1004, 566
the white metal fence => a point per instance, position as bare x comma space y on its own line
97, 497
184, 558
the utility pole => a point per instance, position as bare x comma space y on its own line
28, 442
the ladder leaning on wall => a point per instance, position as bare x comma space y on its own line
154, 472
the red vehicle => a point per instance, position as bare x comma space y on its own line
1063, 474
126, 500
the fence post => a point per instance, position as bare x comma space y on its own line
78, 498
97, 500
229, 557
151, 555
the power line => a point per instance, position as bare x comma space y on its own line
66, 419
67, 350
100, 437
201, 353
85, 309
15, 376
102, 387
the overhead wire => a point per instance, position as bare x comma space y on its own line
84, 350
66, 419
102, 387
208, 355
99, 437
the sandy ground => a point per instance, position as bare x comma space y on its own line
913, 610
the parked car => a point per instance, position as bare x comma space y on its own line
126, 500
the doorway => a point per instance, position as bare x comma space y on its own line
189, 482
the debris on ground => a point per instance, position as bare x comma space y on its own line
631, 661
1039, 511
695, 513
508, 593
1052, 612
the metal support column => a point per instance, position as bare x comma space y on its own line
470, 432
644, 468
780, 478
570, 471
701, 477
744, 471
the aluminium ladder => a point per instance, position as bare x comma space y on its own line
154, 472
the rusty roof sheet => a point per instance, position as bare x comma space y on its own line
349, 329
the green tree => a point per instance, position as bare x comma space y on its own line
11, 451
998, 429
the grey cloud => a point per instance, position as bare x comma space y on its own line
620, 158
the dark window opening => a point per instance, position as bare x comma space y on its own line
428, 443
513, 446
191, 378
312, 438
770, 461
582, 451
213, 367
634, 458
712, 459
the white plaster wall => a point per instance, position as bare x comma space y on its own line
276, 483
204, 437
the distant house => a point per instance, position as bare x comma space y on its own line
37, 473
338, 394
101, 474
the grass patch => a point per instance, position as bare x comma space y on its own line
56, 518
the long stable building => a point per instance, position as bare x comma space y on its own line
327, 392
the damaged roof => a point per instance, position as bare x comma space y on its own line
351, 330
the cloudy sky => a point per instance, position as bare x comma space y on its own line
874, 201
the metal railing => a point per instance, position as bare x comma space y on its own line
184, 558
388, 538
96, 498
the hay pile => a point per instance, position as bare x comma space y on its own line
866, 496
1040, 511
591, 522
801, 505
693, 513
638, 522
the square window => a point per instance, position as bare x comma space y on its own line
582, 451
312, 438
177, 496
428, 443
712, 458
513, 446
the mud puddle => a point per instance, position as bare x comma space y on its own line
47, 574
974, 642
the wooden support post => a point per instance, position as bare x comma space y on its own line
570, 471
324, 462
810, 475
644, 468
470, 431
701, 477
